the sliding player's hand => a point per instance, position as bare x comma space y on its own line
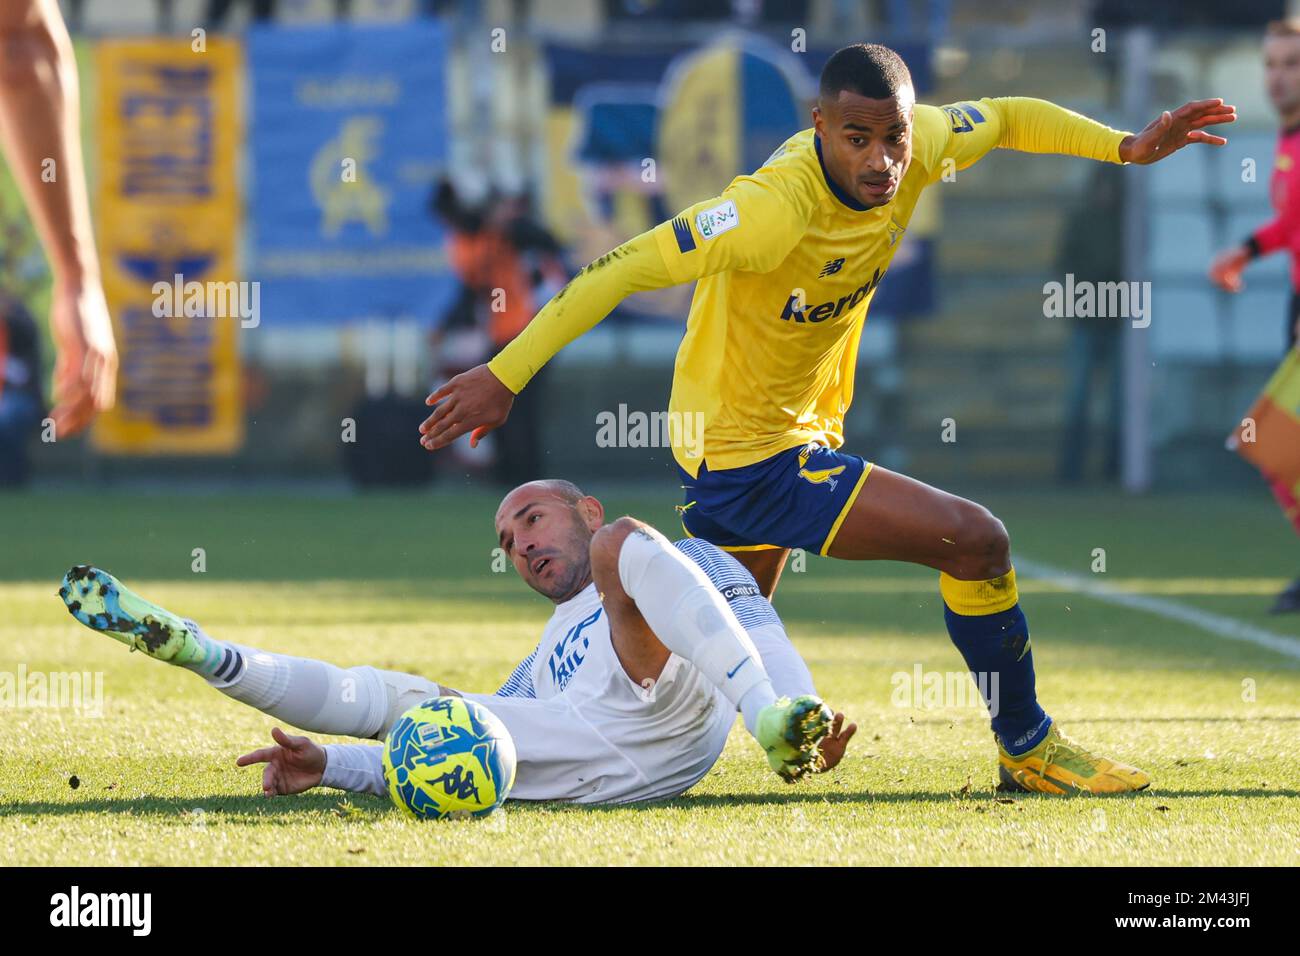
474, 401
297, 764
85, 371
1170, 132
834, 743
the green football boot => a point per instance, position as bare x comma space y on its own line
790, 731
102, 603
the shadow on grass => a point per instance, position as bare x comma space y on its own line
254, 808
257, 809
1292, 719
709, 800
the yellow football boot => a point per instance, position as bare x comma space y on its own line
1059, 765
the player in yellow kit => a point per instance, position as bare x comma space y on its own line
787, 261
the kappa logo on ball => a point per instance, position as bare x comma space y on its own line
715, 221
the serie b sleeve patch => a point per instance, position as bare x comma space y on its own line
716, 220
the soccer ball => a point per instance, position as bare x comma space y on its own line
448, 757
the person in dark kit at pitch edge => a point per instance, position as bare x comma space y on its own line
22, 406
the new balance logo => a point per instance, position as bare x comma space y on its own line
832, 267
829, 310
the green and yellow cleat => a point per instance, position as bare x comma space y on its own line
102, 603
790, 731
1058, 765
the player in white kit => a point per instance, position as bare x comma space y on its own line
629, 695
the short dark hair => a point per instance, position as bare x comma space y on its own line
868, 69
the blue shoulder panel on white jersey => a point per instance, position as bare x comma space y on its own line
734, 581
520, 681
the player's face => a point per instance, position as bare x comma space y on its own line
547, 541
866, 143
1282, 72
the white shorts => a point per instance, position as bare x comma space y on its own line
606, 740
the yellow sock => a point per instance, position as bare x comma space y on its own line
978, 598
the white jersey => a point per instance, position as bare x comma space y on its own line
583, 731
556, 663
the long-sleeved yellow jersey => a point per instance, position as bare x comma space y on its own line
787, 265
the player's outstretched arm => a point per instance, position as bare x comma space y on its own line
40, 117
752, 226
1170, 132
295, 764
479, 400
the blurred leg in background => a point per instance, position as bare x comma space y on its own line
21, 405
1090, 250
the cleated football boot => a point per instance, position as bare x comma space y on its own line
1059, 765
102, 603
790, 730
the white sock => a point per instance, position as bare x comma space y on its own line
316, 696
790, 675
755, 699
692, 619
220, 660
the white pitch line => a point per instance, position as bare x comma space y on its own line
1215, 624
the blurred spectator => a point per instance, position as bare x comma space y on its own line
218, 10
1187, 14
508, 264
932, 23
1092, 249
21, 403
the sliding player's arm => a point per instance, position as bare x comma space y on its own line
296, 764
40, 117
293, 765
955, 136
751, 227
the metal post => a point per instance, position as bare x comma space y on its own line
1139, 50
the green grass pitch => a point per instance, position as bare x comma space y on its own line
406, 582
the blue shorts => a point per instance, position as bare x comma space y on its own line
795, 499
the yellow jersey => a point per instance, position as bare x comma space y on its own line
787, 265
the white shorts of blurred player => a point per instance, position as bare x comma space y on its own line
605, 739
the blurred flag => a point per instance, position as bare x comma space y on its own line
1269, 436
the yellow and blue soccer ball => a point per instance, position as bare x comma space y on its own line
448, 757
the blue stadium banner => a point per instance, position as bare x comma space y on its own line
349, 130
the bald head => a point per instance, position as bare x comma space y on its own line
545, 528
556, 489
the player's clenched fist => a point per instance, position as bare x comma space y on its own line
475, 400
297, 764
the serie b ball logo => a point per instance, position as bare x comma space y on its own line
448, 757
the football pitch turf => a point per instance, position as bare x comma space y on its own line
406, 582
